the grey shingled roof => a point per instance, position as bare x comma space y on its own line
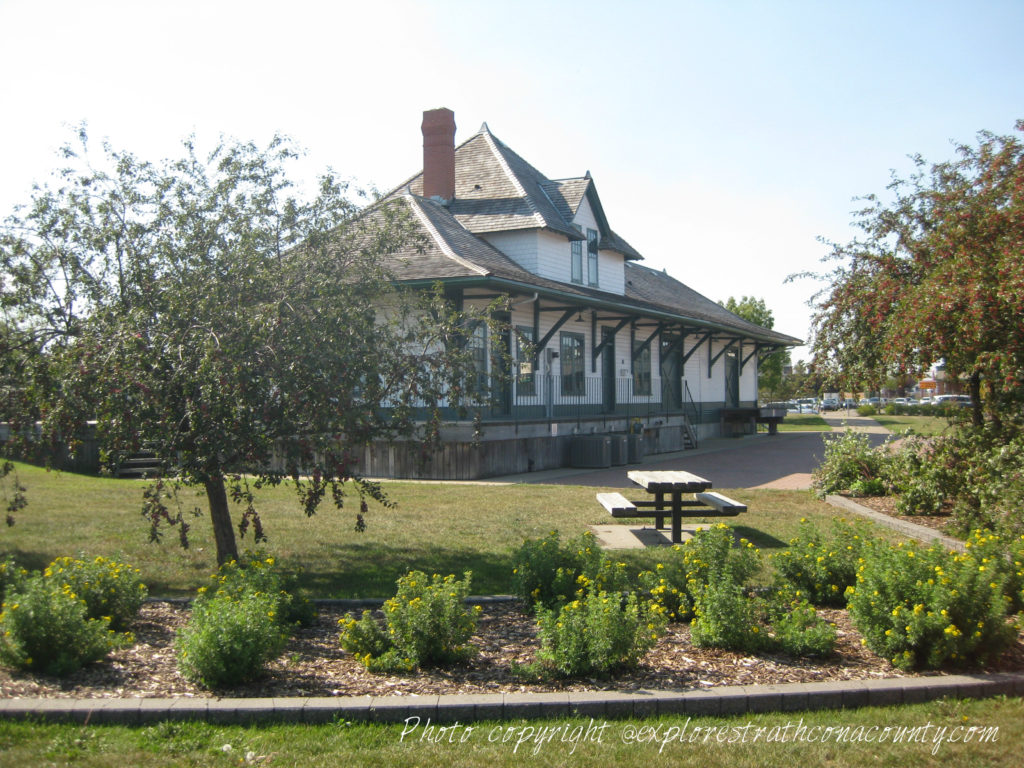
496, 190
662, 290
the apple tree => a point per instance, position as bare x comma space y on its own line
206, 309
937, 274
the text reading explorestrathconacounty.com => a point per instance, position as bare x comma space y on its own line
534, 738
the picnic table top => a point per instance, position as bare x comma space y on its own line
668, 480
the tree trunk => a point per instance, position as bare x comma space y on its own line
974, 388
220, 516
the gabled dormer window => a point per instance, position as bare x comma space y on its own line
577, 262
592, 257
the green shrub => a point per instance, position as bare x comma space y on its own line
874, 486
975, 470
427, 624
10, 576
848, 459
597, 633
797, 629
726, 616
1004, 554
920, 476
109, 588
866, 410
259, 573
44, 627
709, 555
668, 588
990, 470
230, 638
929, 608
548, 572
821, 569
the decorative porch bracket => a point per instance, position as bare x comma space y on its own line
713, 360
566, 317
646, 343
608, 340
687, 355
758, 348
677, 342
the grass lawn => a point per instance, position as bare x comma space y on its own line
918, 425
943, 738
436, 527
804, 422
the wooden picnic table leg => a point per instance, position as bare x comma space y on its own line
677, 517
659, 505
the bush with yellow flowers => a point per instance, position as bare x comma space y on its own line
929, 607
1004, 552
260, 573
426, 624
230, 637
45, 627
675, 582
597, 632
108, 587
547, 572
822, 568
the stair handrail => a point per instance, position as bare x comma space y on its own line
690, 407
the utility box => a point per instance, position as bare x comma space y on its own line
635, 448
620, 449
591, 451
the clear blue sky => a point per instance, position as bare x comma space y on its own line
724, 137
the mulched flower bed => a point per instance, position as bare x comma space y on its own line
313, 664
887, 506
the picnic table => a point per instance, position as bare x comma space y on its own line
675, 494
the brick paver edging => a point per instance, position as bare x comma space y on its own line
727, 700
907, 528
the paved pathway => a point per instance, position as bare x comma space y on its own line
782, 461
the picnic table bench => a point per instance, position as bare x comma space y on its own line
668, 489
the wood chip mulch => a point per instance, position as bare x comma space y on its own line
887, 506
315, 665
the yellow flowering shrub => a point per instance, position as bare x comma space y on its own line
547, 572
259, 572
44, 626
710, 555
230, 638
426, 623
822, 568
108, 587
930, 608
596, 633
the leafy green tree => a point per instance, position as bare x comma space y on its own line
769, 367
204, 309
937, 274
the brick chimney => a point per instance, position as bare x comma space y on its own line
439, 153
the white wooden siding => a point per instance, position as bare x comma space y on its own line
520, 246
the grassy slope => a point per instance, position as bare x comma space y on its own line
446, 528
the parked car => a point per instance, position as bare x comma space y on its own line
807, 405
829, 404
849, 403
962, 400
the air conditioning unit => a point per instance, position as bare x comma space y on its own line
591, 451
